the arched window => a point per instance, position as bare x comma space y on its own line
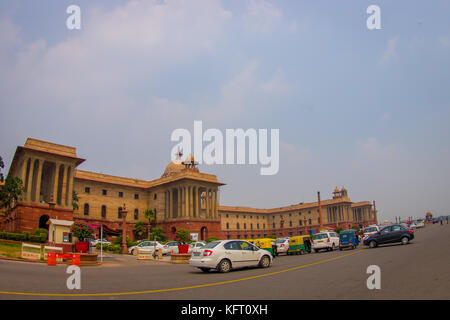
228, 225
136, 214
290, 223
103, 211
274, 225
119, 212
86, 209
237, 225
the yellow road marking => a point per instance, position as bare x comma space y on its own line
177, 289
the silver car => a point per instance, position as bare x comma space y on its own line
225, 255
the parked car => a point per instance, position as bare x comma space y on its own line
172, 247
390, 234
282, 245
103, 241
412, 225
224, 255
420, 224
328, 240
195, 246
147, 246
370, 230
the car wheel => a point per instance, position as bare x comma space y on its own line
372, 244
205, 269
264, 262
224, 266
316, 251
340, 249
332, 247
405, 240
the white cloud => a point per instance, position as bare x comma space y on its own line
261, 16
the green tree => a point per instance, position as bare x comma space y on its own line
150, 215
338, 229
2, 165
10, 193
75, 200
139, 229
183, 236
157, 234
272, 236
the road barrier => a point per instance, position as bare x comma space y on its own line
31, 251
52, 249
52, 256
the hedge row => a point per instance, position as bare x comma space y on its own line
42, 238
114, 248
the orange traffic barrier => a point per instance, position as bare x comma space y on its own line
76, 260
51, 258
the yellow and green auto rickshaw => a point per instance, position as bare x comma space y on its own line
299, 245
267, 244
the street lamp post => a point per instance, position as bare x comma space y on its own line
123, 213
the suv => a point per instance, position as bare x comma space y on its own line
390, 234
328, 240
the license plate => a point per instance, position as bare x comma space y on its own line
196, 254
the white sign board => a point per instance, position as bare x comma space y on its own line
194, 236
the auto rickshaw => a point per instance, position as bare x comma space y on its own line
348, 239
299, 245
267, 244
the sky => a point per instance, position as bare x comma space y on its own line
365, 109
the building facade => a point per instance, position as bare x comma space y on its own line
183, 197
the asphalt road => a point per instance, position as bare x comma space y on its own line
419, 270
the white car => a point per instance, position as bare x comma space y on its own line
224, 255
419, 224
147, 247
104, 241
195, 246
282, 245
172, 247
413, 225
328, 240
370, 230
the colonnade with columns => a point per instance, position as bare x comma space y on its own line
44, 179
191, 201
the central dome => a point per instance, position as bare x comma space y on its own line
174, 167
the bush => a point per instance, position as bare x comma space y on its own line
118, 241
38, 231
183, 235
26, 236
34, 238
272, 236
211, 239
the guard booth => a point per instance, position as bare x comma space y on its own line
59, 234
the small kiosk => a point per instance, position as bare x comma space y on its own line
59, 234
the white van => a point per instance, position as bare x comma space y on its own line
328, 240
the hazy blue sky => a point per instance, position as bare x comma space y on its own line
368, 110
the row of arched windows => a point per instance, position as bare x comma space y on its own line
103, 212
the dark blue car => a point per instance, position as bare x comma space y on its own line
348, 239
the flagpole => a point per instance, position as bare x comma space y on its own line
101, 244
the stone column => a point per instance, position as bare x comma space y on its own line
207, 203
170, 203
24, 172
64, 187
38, 182
213, 206
216, 205
55, 182
30, 179
191, 201
70, 182
197, 212
179, 203
166, 206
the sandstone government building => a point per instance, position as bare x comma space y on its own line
182, 197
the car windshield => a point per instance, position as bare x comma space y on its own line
320, 236
211, 245
372, 229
